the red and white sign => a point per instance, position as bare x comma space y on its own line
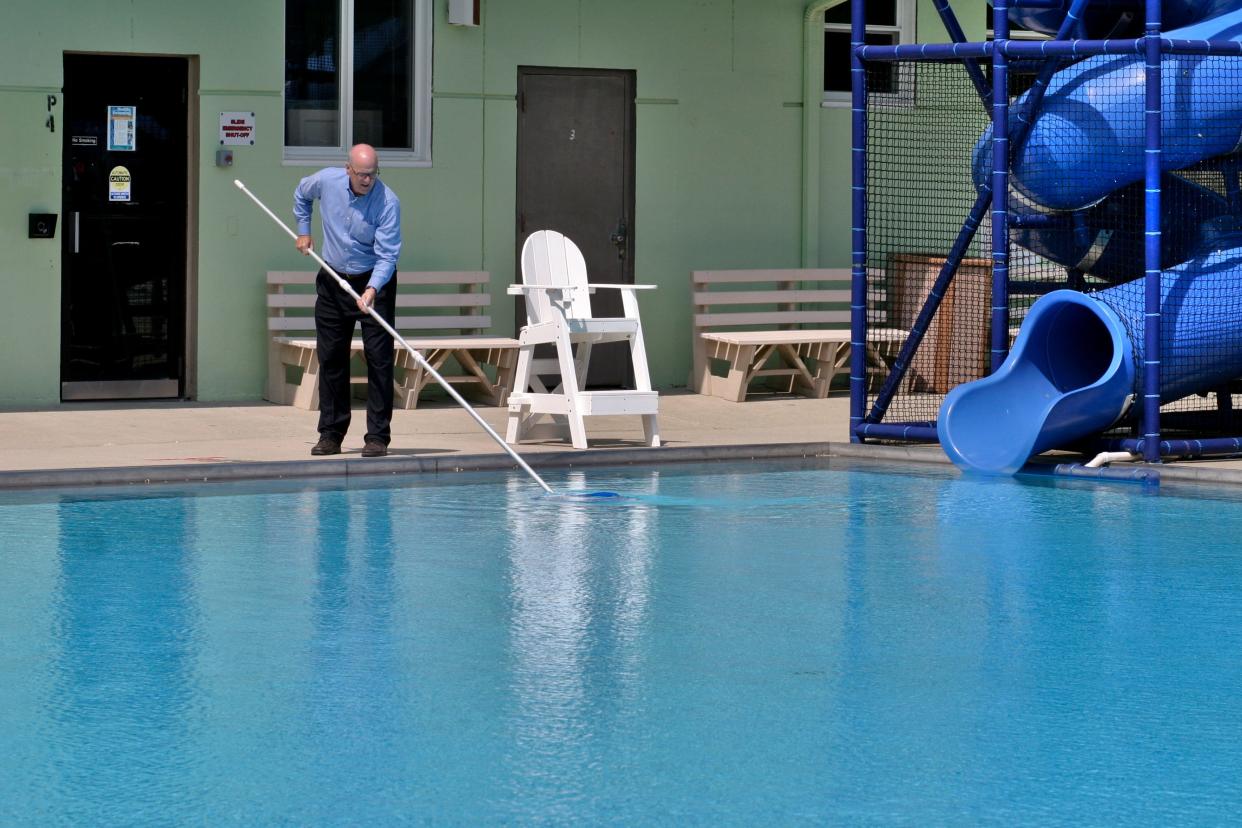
237, 129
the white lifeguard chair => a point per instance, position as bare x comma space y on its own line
558, 312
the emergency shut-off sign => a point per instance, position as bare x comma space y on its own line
237, 129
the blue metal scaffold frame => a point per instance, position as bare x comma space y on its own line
1152, 46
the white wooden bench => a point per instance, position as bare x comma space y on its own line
451, 306
752, 321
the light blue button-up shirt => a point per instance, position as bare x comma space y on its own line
360, 233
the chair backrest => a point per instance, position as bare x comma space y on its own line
549, 258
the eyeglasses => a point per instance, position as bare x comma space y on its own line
367, 176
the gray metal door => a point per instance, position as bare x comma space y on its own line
575, 174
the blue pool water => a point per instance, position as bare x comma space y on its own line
726, 645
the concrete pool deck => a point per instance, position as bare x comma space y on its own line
140, 442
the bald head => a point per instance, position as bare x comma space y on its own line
363, 167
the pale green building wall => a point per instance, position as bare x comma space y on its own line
29, 269
835, 134
719, 157
239, 47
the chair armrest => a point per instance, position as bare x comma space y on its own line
520, 290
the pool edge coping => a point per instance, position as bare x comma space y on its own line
444, 464
346, 467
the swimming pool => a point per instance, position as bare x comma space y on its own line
732, 644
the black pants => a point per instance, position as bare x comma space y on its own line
336, 315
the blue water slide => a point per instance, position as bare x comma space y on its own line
1107, 239
1074, 368
1071, 372
1118, 18
1088, 138
1092, 119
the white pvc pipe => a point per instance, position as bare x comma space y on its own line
417, 356
1106, 457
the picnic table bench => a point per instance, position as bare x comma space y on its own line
442, 314
754, 322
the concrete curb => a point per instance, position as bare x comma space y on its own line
897, 454
372, 467
356, 467
1199, 476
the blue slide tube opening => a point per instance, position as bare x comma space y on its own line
1077, 347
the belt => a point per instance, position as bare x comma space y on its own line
353, 275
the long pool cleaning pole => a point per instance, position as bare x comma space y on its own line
417, 356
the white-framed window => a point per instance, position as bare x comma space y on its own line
889, 22
358, 71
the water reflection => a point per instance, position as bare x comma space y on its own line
579, 581
353, 693
255, 575
29, 572
122, 706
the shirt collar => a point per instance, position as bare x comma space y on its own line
349, 191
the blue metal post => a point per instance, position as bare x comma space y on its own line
1000, 186
1151, 328
1229, 170
930, 306
954, 30
858, 234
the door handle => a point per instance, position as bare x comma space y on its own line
76, 230
619, 238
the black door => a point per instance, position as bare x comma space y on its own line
123, 282
575, 174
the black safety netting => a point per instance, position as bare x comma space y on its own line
923, 122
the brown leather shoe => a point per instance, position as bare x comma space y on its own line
326, 445
374, 448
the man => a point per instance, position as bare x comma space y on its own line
361, 241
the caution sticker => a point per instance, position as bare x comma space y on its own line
118, 184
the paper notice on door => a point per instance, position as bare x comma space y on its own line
122, 128
118, 184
